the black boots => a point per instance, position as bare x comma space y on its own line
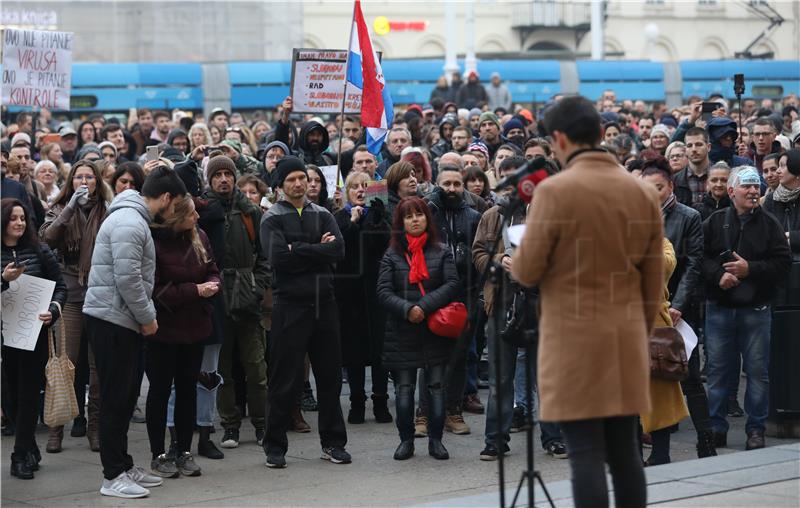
405, 451
357, 409
437, 450
78, 427
21, 466
206, 447
705, 445
380, 408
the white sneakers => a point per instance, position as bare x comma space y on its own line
130, 484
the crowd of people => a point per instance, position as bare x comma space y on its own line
214, 256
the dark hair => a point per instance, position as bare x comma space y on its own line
474, 173
257, 182
101, 190
403, 208
112, 127
80, 129
29, 237
772, 157
162, 180
511, 163
397, 172
132, 169
323, 184
538, 142
142, 112
766, 121
792, 160
698, 131
577, 118
657, 166
158, 114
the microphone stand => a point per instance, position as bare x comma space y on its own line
494, 274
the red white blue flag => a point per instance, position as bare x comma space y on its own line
364, 72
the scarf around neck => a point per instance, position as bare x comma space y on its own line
784, 195
418, 269
82, 232
669, 204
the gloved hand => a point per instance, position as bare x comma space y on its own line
377, 210
80, 192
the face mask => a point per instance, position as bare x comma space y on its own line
517, 140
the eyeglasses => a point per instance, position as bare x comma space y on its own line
760, 134
677, 157
86, 178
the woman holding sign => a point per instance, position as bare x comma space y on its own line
23, 254
70, 227
365, 228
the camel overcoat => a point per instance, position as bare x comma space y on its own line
593, 245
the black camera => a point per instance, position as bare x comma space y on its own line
738, 84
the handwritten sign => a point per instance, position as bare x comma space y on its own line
37, 68
23, 301
318, 82
330, 178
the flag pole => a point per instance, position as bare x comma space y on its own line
344, 101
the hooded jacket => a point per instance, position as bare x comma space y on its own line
121, 280
717, 128
303, 149
444, 145
470, 94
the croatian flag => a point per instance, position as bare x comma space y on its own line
364, 72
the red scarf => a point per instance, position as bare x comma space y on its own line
418, 270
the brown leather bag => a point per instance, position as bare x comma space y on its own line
668, 355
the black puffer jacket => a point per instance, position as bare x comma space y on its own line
710, 205
42, 264
407, 345
788, 214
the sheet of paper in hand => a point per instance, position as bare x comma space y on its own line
330, 179
23, 301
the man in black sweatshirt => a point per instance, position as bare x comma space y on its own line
302, 242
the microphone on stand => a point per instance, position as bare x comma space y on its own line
526, 178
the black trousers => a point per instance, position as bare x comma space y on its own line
117, 352
298, 330
357, 378
696, 397
404, 381
24, 371
166, 364
596, 442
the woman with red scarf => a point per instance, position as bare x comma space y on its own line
417, 277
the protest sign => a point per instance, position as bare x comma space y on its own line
377, 190
23, 301
37, 68
318, 82
330, 173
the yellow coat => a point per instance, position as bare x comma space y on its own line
668, 404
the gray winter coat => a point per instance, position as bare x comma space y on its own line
123, 265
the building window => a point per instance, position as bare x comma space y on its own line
706, 2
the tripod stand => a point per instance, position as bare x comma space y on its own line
494, 274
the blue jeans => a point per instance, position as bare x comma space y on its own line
404, 384
728, 332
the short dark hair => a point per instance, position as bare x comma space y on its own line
142, 112
697, 131
133, 169
577, 118
163, 180
112, 127
657, 166
474, 173
764, 120
772, 156
538, 142
511, 163
158, 114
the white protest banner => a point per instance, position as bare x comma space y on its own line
330, 178
37, 68
23, 301
318, 82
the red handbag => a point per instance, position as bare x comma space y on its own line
449, 321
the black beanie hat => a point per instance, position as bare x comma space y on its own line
219, 163
287, 165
